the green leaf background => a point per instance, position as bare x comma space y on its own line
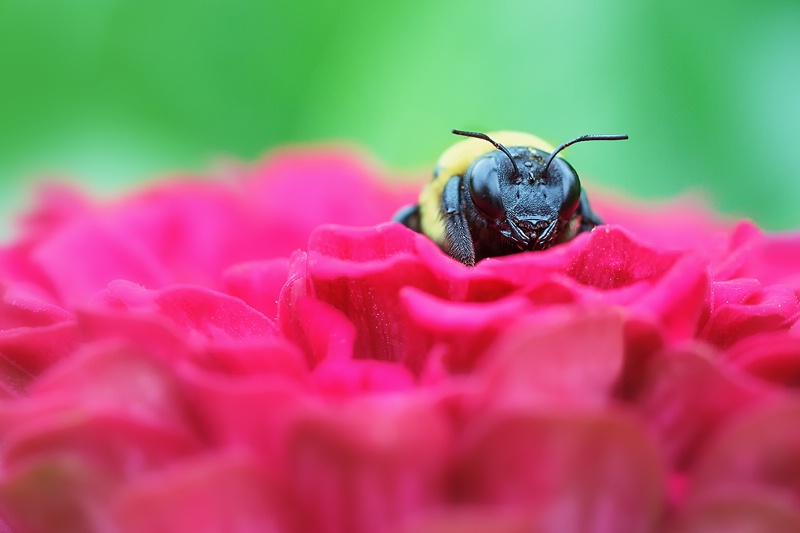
109, 93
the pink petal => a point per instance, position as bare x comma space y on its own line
215, 315
297, 286
158, 337
362, 248
644, 340
759, 450
677, 300
20, 275
540, 360
116, 444
612, 259
738, 513
60, 472
59, 494
201, 313
774, 357
341, 379
685, 397
56, 204
371, 465
761, 310
150, 333
557, 290
245, 412
196, 229
685, 223
13, 381
297, 190
320, 329
27, 352
360, 272
777, 262
329, 333
275, 356
83, 257
593, 473
214, 494
769, 258
22, 308
112, 378
744, 240
108, 406
735, 291
472, 520
663, 286
258, 283
462, 330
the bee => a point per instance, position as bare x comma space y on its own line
502, 194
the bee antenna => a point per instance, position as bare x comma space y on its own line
496, 144
580, 139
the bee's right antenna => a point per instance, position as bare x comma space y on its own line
581, 139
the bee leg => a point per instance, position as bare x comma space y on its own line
589, 218
457, 237
409, 217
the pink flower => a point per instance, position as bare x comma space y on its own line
265, 352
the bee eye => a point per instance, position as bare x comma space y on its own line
484, 187
572, 191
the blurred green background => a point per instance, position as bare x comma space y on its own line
112, 92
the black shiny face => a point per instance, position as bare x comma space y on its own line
518, 204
